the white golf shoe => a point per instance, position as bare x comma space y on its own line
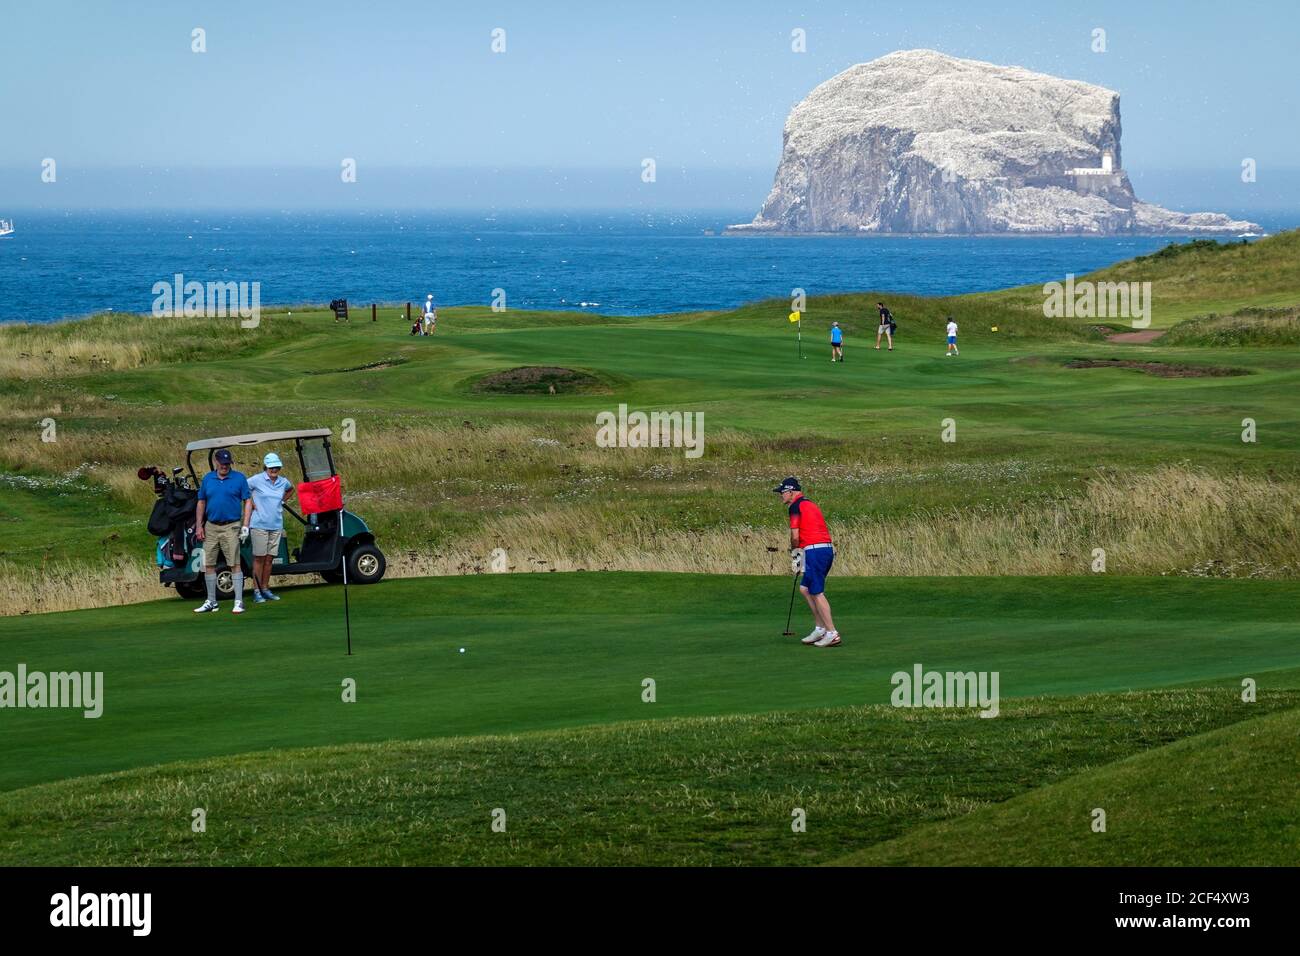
238, 608
830, 639
206, 607
816, 635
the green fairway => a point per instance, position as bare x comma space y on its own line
1004, 460
446, 474
546, 651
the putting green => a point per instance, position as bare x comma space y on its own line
562, 650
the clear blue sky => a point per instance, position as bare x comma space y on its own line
703, 88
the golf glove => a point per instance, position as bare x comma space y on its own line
243, 534
796, 559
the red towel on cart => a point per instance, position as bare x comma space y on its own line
316, 497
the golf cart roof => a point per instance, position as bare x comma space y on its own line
255, 439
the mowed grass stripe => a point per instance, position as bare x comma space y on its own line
564, 650
703, 791
1224, 798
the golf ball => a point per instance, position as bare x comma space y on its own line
462, 650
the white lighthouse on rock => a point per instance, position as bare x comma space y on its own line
1101, 180
1107, 168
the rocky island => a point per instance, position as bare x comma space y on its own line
921, 142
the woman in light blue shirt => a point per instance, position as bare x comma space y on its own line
270, 490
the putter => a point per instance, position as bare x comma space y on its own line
794, 586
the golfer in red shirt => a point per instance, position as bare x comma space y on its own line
810, 543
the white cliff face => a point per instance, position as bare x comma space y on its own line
917, 141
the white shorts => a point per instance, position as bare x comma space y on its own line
265, 542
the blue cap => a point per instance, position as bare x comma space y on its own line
790, 484
223, 456
272, 460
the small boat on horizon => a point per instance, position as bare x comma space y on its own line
6, 228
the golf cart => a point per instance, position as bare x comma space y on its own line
329, 538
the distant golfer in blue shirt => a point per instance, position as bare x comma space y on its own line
837, 343
221, 523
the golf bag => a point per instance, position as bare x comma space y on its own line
887, 318
174, 515
159, 523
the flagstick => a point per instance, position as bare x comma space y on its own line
347, 611
799, 334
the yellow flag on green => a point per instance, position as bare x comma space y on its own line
794, 316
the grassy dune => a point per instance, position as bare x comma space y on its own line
1249, 327
1193, 279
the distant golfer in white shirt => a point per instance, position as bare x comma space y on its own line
430, 316
952, 338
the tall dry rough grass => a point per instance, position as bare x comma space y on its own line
115, 342
1173, 520
67, 587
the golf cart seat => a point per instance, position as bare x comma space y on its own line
320, 540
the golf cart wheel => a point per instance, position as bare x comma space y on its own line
226, 586
366, 564
191, 590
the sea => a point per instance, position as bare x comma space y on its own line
63, 264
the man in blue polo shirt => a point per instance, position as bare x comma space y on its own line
221, 523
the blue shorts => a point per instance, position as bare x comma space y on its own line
952, 340
816, 565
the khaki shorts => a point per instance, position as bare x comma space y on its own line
223, 539
265, 542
